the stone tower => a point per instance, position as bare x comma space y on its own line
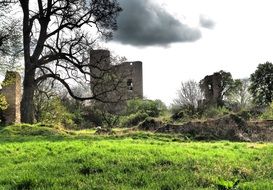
99, 61
133, 78
129, 75
11, 89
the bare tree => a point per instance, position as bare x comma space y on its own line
189, 94
57, 35
10, 38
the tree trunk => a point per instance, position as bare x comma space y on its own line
27, 103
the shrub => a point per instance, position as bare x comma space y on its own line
152, 108
32, 130
56, 113
3, 102
91, 117
268, 114
245, 114
214, 112
183, 113
3, 106
133, 119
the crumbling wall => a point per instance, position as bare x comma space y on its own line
122, 82
99, 62
230, 127
212, 89
133, 78
11, 89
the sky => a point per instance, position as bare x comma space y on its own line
180, 40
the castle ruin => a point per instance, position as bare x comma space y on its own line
115, 84
213, 87
11, 89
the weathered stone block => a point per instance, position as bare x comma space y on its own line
11, 89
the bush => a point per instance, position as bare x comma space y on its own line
245, 114
3, 102
133, 119
3, 106
152, 108
268, 114
138, 110
56, 113
214, 112
91, 117
184, 113
31, 130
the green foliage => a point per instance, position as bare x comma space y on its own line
261, 86
80, 114
138, 110
152, 108
133, 119
3, 102
110, 120
227, 185
215, 112
268, 114
56, 113
31, 130
92, 117
3, 106
10, 78
184, 113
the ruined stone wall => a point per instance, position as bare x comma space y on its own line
133, 78
11, 89
99, 61
212, 89
126, 77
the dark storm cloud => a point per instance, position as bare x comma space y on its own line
206, 22
143, 23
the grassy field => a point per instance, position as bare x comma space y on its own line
130, 161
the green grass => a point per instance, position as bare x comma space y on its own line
129, 161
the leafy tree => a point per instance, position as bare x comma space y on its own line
57, 35
261, 86
239, 96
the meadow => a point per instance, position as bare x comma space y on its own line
42, 158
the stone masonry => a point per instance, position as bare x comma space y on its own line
126, 77
11, 89
211, 85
